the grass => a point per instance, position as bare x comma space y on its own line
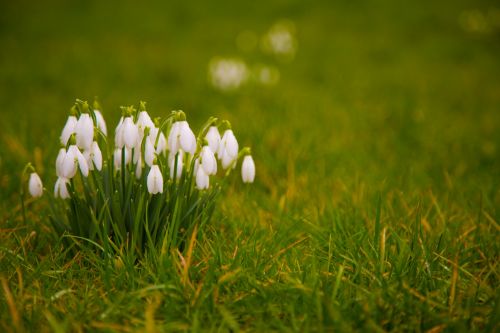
376, 201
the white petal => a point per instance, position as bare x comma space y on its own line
60, 161
69, 164
69, 128
232, 144
208, 161
155, 180
226, 160
187, 138
173, 138
82, 163
84, 130
180, 165
213, 138
97, 156
101, 124
119, 143
130, 133
202, 179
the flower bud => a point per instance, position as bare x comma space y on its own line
213, 138
84, 130
248, 169
155, 180
100, 123
208, 161
35, 185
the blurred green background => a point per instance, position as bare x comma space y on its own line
388, 93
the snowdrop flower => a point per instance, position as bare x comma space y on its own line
117, 157
94, 156
35, 185
213, 138
149, 152
60, 161
248, 169
228, 149
73, 159
172, 158
181, 136
68, 129
61, 188
155, 180
101, 124
129, 133
208, 161
202, 179
143, 121
84, 130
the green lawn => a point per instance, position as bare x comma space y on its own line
376, 201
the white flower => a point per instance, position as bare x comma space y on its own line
129, 132
172, 158
61, 188
181, 136
143, 121
73, 159
208, 161
68, 129
101, 124
248, 169
228, 149
202, 179
117, 156
155, 180
94, 157
84, 130
35, 185
60, 161
213, 138
149, 153
119, 143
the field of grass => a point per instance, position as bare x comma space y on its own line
376, 205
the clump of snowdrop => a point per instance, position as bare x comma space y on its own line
280, 40
228, 74
147, 187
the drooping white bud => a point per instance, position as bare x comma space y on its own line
208, 161
213, 138
155, 180
100, 123
68, 130
35, 185
61, 188
202, 179
248, 169
143, 121
84, 130
129, 132
228, 149
181, 137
